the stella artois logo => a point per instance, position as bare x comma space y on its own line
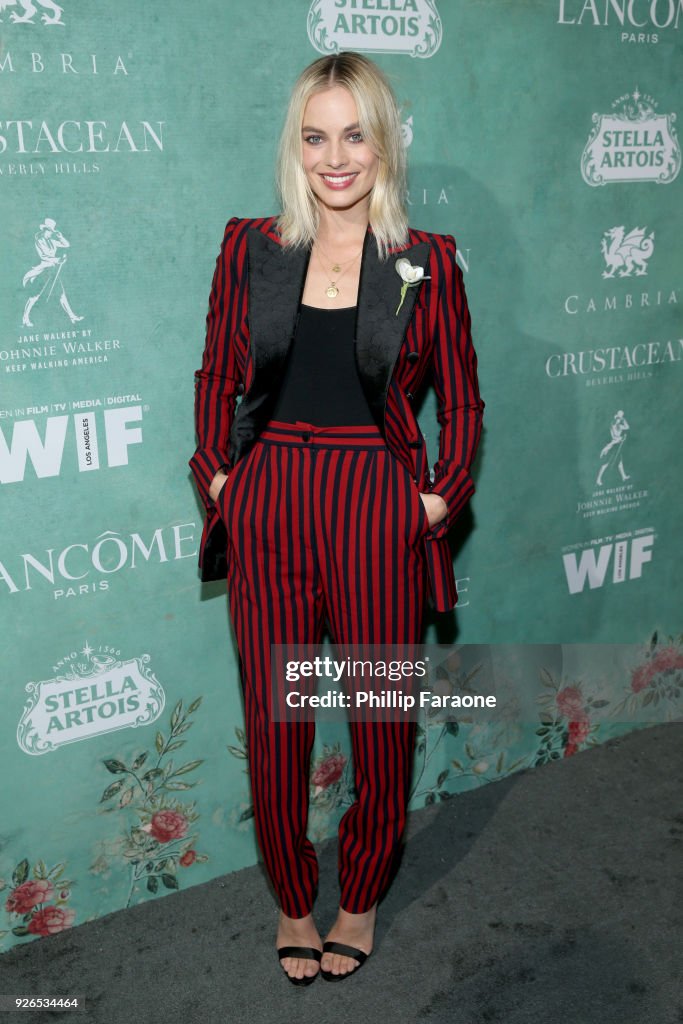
93, 691
375, 26
634, 143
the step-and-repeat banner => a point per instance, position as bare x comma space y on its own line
543, 136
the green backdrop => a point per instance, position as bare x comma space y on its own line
543, 136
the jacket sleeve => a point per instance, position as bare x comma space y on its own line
459, 404
218, 381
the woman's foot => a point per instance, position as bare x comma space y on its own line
298, 931
354, 930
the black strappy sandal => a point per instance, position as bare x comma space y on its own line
305, 953
343, 950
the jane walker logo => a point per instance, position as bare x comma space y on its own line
613, 488
375, 26
43, 277
92, 692
633, 143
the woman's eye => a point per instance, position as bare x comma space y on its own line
356, 137
314, 139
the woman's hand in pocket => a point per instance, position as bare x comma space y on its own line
217, 485
435, 507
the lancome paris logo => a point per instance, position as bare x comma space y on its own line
612, 559
633, 143
639, 21
93, 691
86, 566
411, 27
614, 489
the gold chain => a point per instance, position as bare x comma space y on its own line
332, 291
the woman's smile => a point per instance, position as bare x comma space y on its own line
339, 181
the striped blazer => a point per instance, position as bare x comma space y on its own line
253, 308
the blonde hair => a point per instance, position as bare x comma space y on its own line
380, 124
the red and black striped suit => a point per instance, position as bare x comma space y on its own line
318, 523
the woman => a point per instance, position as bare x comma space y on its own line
317, 489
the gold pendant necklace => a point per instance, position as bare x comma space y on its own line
332, 291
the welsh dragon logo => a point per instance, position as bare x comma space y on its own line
30, 10
627, 253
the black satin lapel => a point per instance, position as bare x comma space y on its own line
380, 330
276, 283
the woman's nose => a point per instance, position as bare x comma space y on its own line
336, 157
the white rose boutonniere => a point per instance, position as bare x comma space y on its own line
410, 276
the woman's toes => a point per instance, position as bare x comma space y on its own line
297, 968
338, 964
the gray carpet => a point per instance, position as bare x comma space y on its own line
553, 896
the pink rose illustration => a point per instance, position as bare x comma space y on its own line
167, 825
328, 771
28, 895
570, 704
188, 858
667, 658
577, 734
642, 677
51, 920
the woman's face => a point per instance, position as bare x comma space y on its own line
340, 167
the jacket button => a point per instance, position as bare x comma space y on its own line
413, 357
410, 395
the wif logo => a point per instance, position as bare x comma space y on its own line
608, 560
99, 439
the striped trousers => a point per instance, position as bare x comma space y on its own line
324, 523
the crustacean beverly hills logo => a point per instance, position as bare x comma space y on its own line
412, 27
633, 143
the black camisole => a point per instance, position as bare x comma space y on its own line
320, 384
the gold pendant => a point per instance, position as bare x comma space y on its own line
332, 292
336, 268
